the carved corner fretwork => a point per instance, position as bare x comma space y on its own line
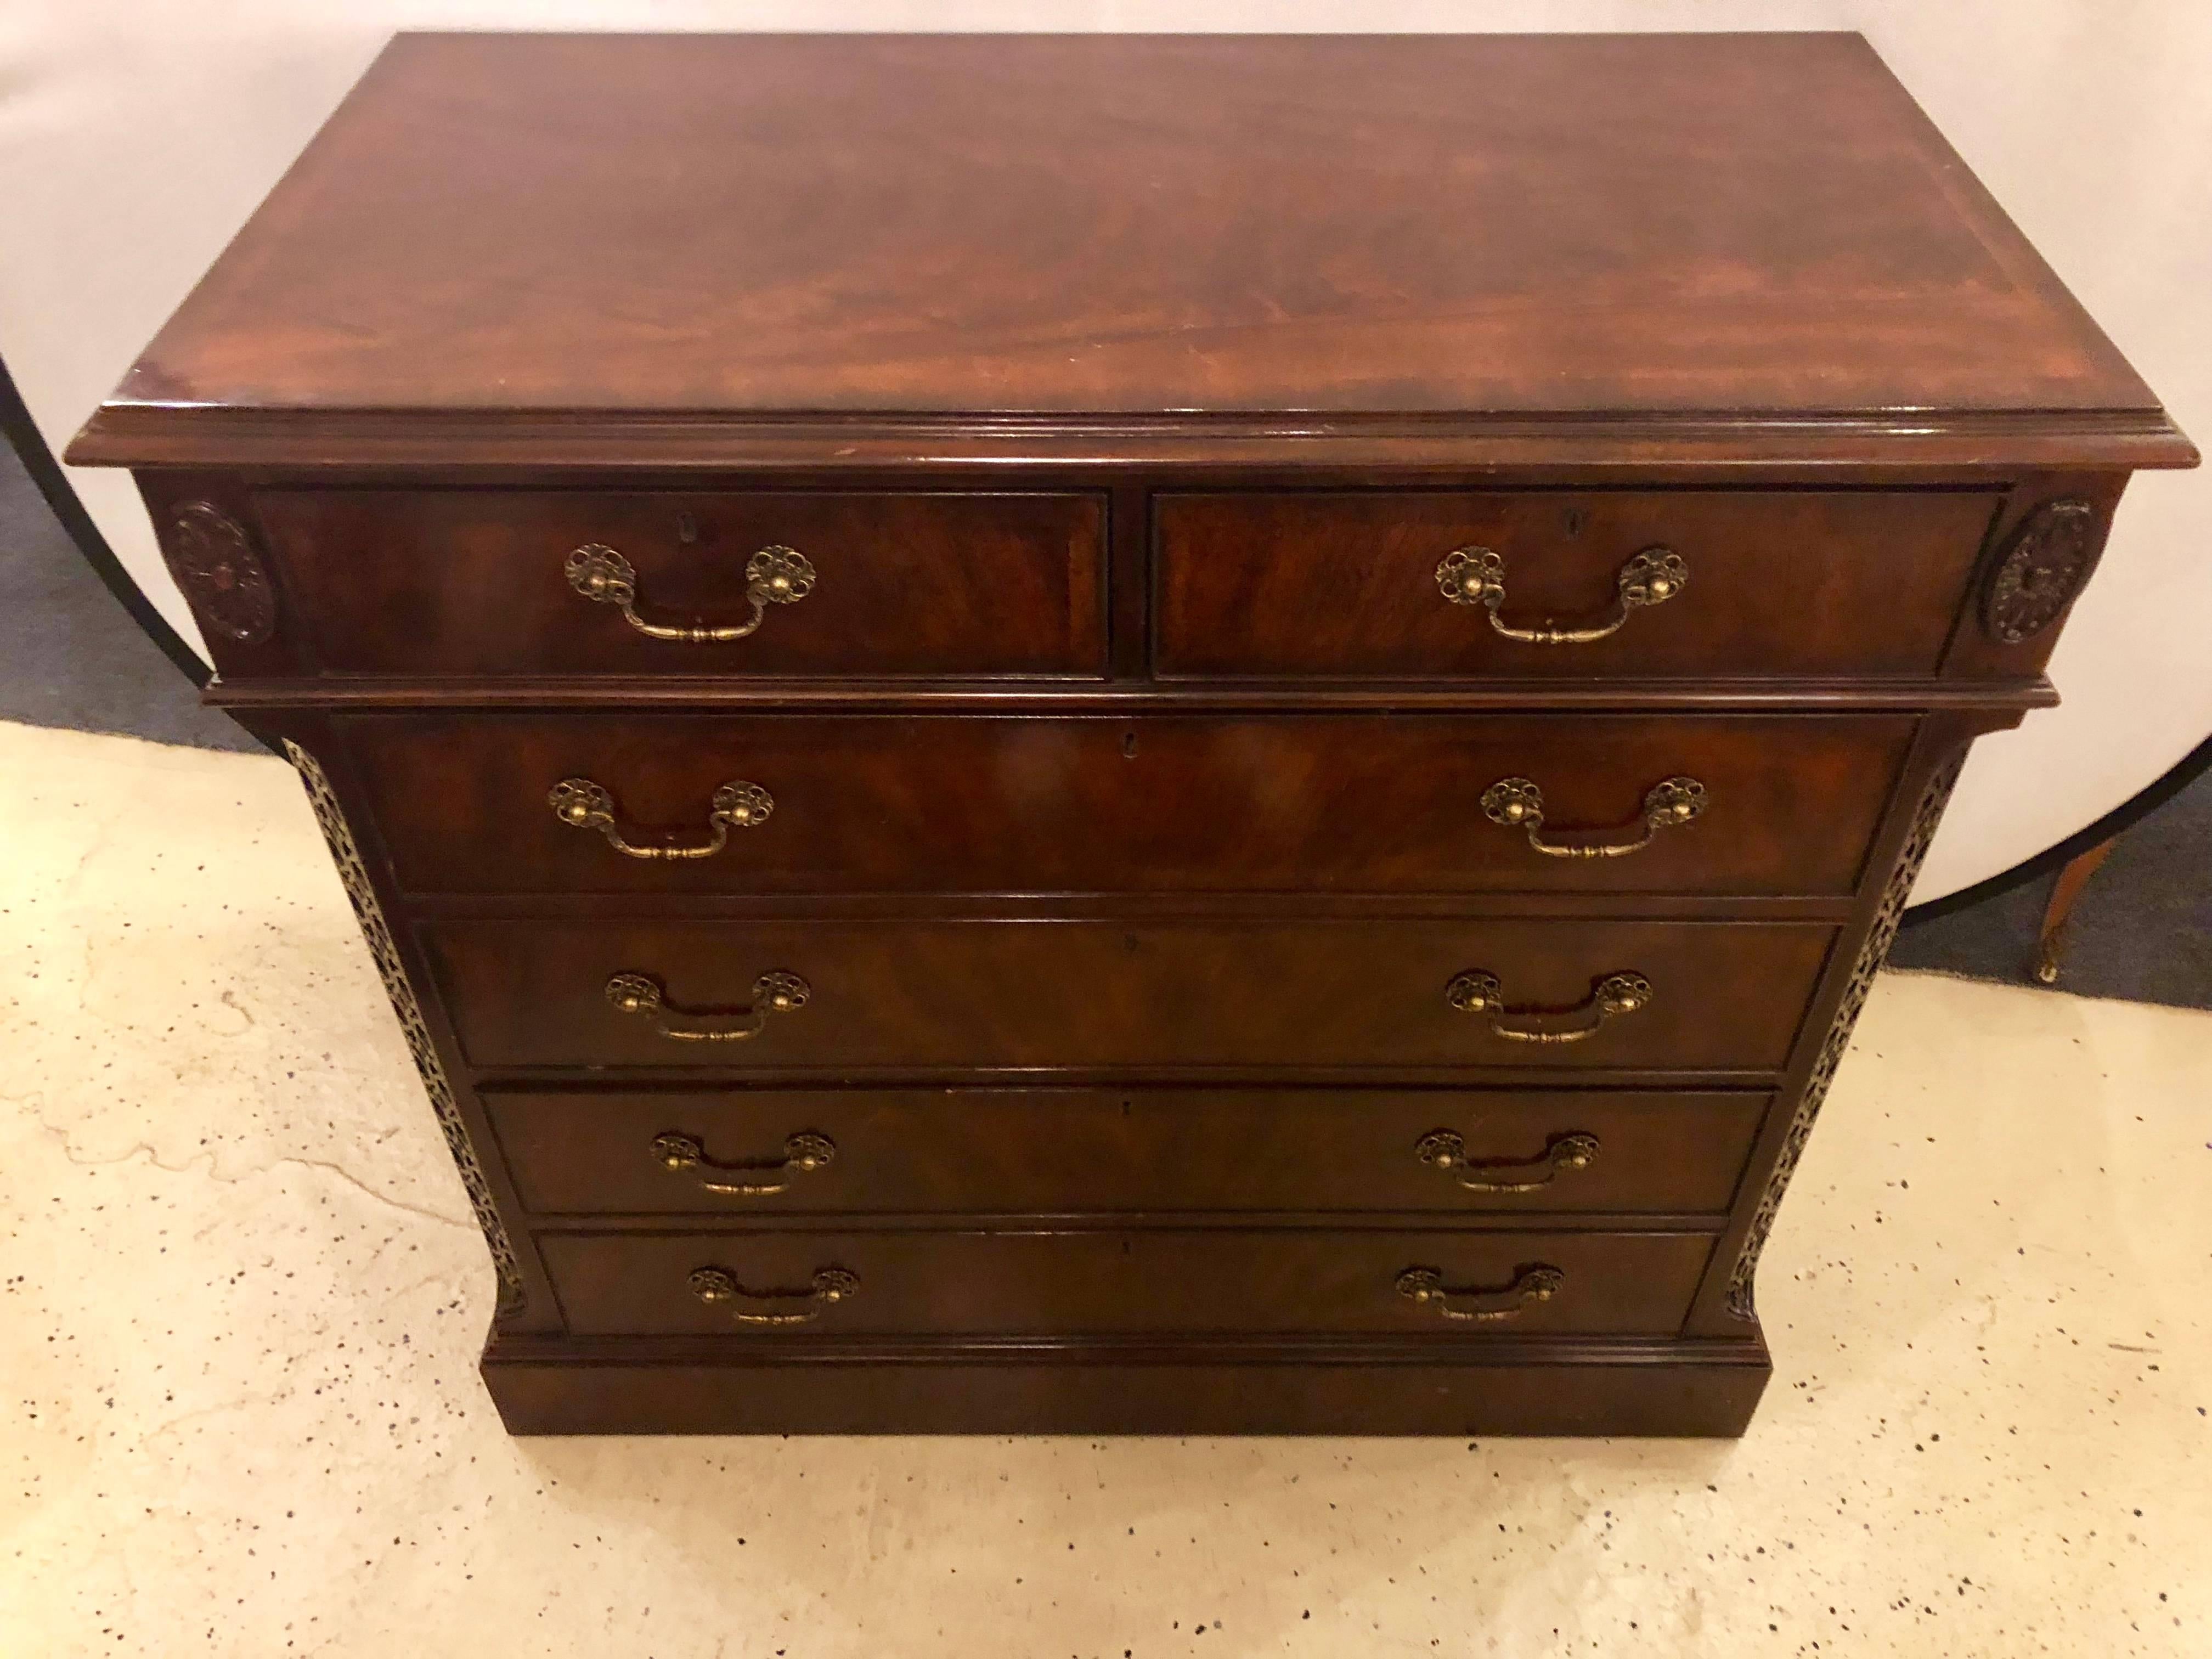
214, 563
354, 872
1894, 898
2050, 556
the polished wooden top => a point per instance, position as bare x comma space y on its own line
575, 237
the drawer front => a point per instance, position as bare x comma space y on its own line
1098, 1283
1355, 585
1378, 804
1073, 1152
479, 581
1039, 994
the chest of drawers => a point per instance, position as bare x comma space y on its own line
1128, 735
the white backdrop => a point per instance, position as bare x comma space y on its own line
136, 134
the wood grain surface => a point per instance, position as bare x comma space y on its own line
747, 226
1069, 995
1142, 1151
1154, 803
1076, 1283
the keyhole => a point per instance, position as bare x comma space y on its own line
1575, 518
687, 529
1129, 745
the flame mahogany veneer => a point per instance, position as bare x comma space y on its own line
1180, 735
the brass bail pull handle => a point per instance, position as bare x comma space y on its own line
1479, 993
803, 1154
1563, 1154
1519, 804
584, 805
1425, 1287
774, 575
719, 1287
773, 994
1476, 575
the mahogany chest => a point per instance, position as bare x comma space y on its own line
1128, 734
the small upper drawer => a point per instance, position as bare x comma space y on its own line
559, 582
1416, 585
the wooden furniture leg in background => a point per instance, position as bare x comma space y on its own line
2051, 938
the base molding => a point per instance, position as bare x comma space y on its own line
1697, 1389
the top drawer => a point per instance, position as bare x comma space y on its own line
1548, 585
492, 583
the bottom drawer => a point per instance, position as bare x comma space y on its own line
793, 1285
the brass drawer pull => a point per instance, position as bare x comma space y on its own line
1476, 575
774, 575
773, 994
716, 1285
587, 805
803, 1154
1519, 804
1539, 1283
1440, 1149
1478, 992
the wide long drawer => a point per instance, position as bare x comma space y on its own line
1070, 1151
690, 582
1381, 804
1549, 584
791, 1286
1048, 994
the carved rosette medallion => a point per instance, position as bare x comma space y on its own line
2041, 571
213, 562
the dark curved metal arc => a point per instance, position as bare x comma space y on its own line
2130, 811
29, 444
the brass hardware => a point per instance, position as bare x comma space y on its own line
774, 575
1476, 575
716, 1285
803, 1154
1440, 1149
587, 805
773, 994
1519, 804
1479, 993
1537, 1283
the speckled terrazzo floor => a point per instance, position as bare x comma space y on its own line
240, 1300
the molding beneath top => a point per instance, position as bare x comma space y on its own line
1127, 698
131, 434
